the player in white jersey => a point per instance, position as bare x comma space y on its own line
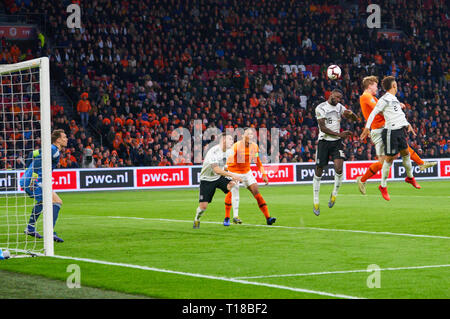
329, 115
213, 176
394, 136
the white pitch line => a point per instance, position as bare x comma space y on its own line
285, 227
245, 282
340, 272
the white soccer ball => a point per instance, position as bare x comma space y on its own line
5, 254
334, 72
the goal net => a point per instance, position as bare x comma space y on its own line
24, 128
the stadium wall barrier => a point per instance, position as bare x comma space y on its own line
106, 179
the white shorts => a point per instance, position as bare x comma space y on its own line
247, 178
375, 136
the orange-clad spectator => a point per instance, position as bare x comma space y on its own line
128, 139
129, 122
254, 102
119, 121
246, 82
154, 123
186, 57
145, 123
36, 111
16, 108
164, 162
16, 136
29, 55
71, 157
124, 63
55, 108
83, 108
117, 141
73, 127
63, 161
292, 119
106, 121
15, 53
378, 58
159, 62
164, 120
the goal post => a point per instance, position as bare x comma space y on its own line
25, 127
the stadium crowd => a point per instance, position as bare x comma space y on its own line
137, 70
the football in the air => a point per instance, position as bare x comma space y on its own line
333, 72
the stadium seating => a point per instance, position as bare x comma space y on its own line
167, 65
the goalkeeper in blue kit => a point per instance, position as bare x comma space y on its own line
31, 182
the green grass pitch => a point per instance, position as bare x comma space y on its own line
142, 243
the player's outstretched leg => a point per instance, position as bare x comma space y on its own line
416, 158
408, 167
372, 170
31, 227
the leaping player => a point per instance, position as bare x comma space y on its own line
329, 114
244, 152
367, 102
393, 134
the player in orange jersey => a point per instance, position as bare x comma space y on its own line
368, 101
244, 152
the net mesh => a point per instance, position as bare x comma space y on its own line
19, 137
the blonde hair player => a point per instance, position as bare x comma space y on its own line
393, 134
367, 102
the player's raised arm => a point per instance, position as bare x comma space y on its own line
349, 115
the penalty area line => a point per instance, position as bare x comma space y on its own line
239, 281
284, 227
341, 272
270, 227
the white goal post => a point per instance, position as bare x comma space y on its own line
15, 97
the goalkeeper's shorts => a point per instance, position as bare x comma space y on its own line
32, 186
34, 191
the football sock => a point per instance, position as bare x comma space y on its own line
262, 205
372, 170
235, 200
316, 188
414, 156
56, 208
408, 166
199, 213
36, 212
385, 173
337, 183
227, 205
